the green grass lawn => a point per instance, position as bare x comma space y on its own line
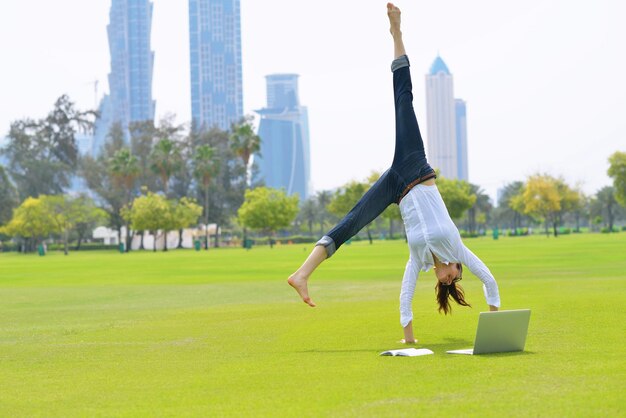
188, 333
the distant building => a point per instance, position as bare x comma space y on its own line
130, 80
84, 143
284, 160
102, 126
3, 160
461, 139
441, 144
215, 57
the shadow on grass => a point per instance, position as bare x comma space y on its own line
363, 350
450, 344
461, 344
440, 348
509, 354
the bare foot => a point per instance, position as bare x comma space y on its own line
394, 18
300, 284
410, 342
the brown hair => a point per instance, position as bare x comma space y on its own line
454, 290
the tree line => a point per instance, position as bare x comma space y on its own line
154, 178
542, 200
140, 170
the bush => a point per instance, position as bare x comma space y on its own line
89, 246
8, 246
295, 239
564, 231
606, 230
518, 232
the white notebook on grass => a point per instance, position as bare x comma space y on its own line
407, 352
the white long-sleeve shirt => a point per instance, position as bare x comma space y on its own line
429, 231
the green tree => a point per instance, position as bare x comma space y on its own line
482, 208
227, 187
205, 167
8, 197
268, 210
308, 213
546, 198
571, 199
540, 199
150, 212
323, 199
86, 216
61, 208
392, 213
112, 197
185, 213
124, 170
617, 171
346, 197
457, 195
165, 161
43, 154
153, 212
143, 135
244, 143
608, 202
32, 221
509, 212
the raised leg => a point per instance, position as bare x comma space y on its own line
394, 27
408, 137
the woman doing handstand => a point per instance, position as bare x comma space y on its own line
433, 239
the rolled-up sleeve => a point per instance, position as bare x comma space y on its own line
407, 291
480, 270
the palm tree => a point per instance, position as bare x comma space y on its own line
323, 199
124, 169
205, 167
166, 160
606, 196
482, 205
244, 142
308, 213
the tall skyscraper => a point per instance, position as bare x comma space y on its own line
441, 144
132, 61
284, 160
461, 139
215, 55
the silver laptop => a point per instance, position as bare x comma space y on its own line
499, 332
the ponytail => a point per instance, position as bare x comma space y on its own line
444, 292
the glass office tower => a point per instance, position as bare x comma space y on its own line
215, 55
461, 139
284, 161
130, 80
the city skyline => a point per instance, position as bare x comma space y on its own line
532, 76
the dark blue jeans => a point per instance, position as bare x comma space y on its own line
409, 164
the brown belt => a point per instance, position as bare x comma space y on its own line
416, 182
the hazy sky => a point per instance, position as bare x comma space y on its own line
544, 81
